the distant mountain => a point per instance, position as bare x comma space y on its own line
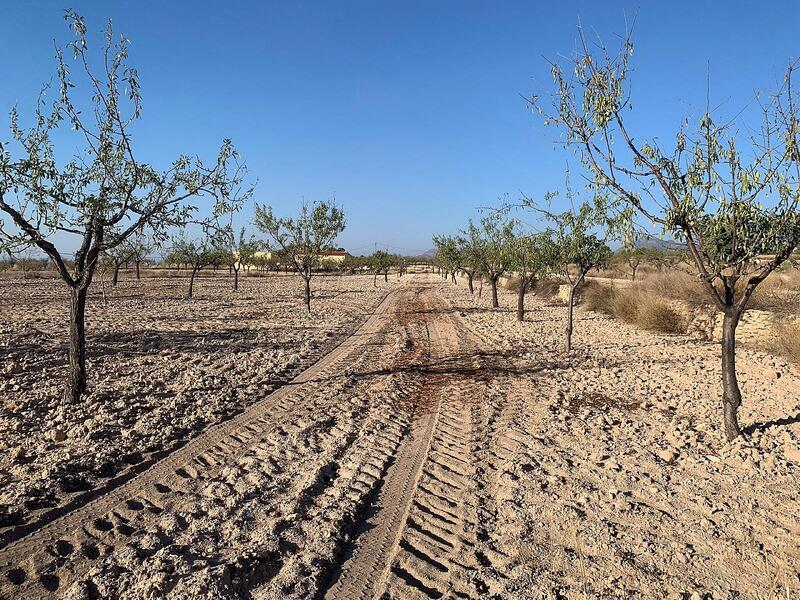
429, 253
652, 241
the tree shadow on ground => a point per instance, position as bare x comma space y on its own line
764, 425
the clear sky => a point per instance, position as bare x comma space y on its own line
410, 112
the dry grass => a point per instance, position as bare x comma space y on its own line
780, 292
634, 306
786, 340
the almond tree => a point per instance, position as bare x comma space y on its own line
238, 250
106, 194
302, 238
534, 257
381, 262
448, 254
576, 249
492, 242
198, 254
118, 256
142, 247
729, 189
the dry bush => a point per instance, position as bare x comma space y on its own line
642, 309
598, 297
656, 315
786, 340
548, 288
677, 285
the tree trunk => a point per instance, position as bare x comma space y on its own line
633, 272
138, 272
375, 279
76, 376
308, 293
453, 277
731, 395
521, 299
570, 306
480, 289
386, 276
191, 281
235, 279
495, 302
115, 278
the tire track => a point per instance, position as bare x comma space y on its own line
416, 527
43, 561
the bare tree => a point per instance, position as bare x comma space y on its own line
303, 238
729, 190
106, 194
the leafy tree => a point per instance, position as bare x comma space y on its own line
633, 258
303, 238
470, 248
238, 250
118, 256
198, 254
726, 188
448, 254
381, 262
493, 241
577, 251
106, 194
533, 257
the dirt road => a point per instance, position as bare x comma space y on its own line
355, 479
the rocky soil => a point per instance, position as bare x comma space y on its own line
161, 369
443, 451
623, 484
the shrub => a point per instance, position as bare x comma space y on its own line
634, 306
786, 340
598, 297
657, 315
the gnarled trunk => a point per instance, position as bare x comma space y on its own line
469, 282
386, 276
731, 395
76, 376
235, 279
308, 291
115, 278
138, 272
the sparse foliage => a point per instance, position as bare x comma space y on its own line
731, 192
106, 194
303, 238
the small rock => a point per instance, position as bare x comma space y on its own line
668, 455
58, 435
792, 453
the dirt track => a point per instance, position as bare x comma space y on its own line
444, 451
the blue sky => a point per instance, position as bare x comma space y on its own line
410, 112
